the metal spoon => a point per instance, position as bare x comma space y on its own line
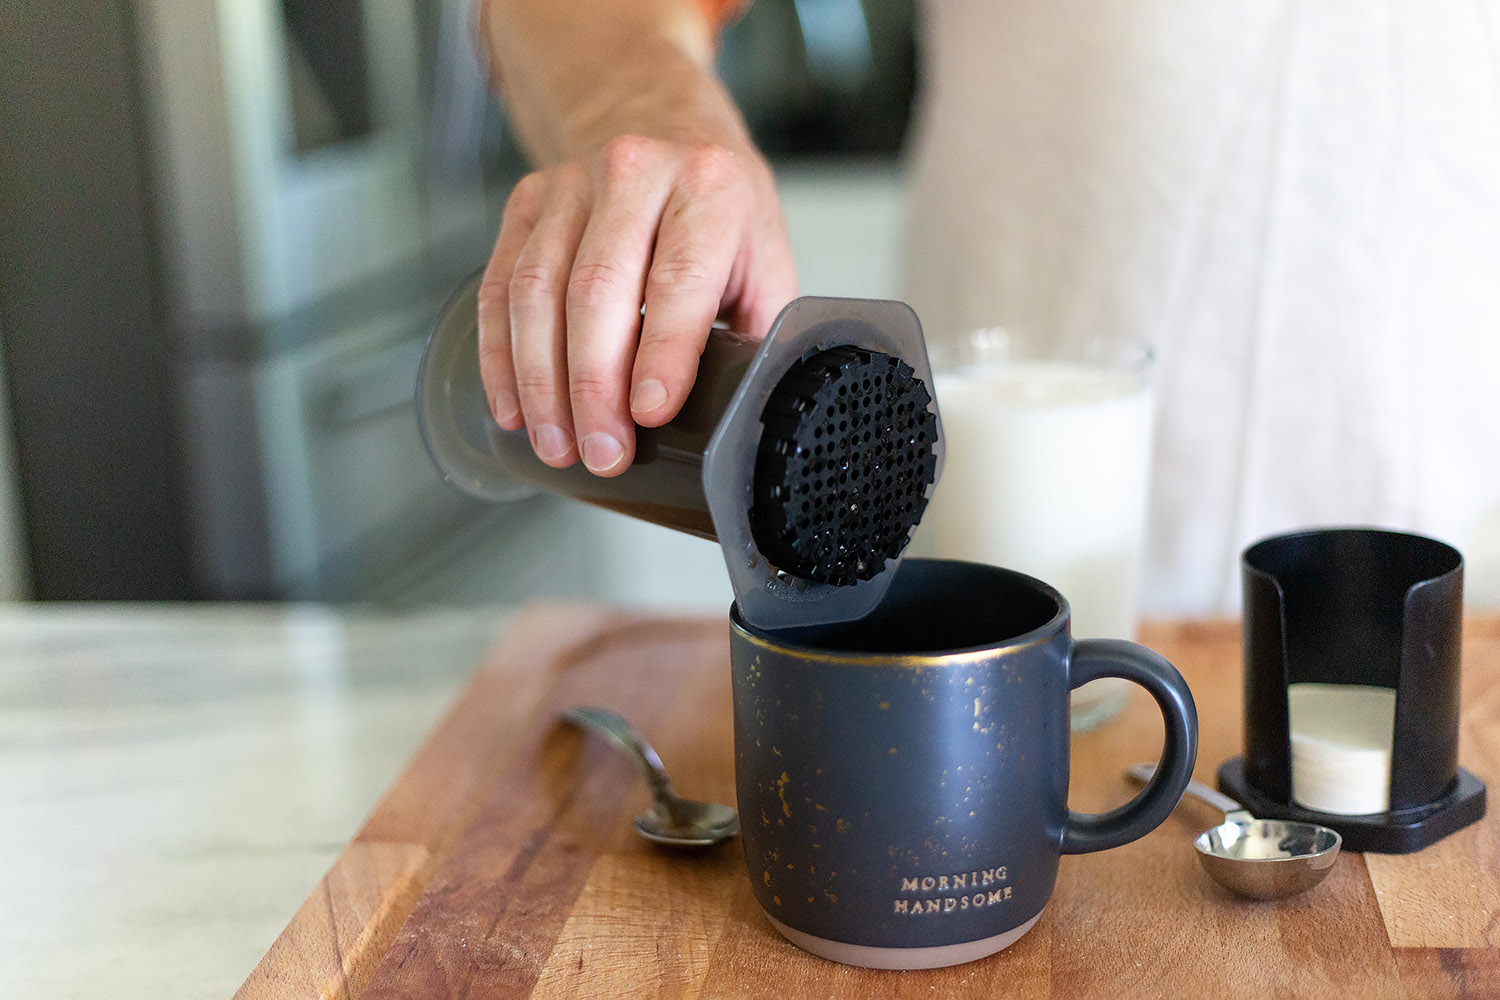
1260, 858
671, 820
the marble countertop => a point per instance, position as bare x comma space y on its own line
173, 779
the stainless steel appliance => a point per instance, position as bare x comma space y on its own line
226, 227
226, 238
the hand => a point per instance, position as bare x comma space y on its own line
692, 230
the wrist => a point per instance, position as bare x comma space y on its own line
574, 74
663, 93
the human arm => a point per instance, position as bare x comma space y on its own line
648, 192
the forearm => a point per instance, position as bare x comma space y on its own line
574, 73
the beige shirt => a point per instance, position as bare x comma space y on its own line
1299, 204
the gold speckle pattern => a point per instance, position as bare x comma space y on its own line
781, 783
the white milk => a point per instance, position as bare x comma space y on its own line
1341, 746
1047, 472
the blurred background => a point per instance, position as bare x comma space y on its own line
224, 230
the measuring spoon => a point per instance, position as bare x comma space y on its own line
1260, 858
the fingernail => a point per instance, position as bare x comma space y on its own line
601, 453
506, 406
649, 394
551, 442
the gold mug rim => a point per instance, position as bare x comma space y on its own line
1046, 632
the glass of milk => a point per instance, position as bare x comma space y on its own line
1047, 470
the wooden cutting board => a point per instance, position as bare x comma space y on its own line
503, 863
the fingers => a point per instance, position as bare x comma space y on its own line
538, 323
700, 237
771, 278
495, 367
689, 231
764, 278
604, 299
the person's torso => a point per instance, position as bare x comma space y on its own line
1298, 204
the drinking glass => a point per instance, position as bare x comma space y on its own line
1047, 471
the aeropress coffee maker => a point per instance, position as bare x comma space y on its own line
808, 456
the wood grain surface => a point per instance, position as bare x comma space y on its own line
503, 862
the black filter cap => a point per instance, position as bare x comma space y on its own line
844, 465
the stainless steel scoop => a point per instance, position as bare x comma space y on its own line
1259, 858
671, 820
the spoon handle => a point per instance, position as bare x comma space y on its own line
1143, 772
613, 727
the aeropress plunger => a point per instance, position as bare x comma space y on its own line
809, 456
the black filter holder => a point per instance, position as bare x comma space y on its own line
843, 466
1358, 606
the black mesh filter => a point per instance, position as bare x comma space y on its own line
843, 467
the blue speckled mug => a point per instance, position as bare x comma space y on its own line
903, 779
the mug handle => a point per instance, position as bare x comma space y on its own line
1095, 658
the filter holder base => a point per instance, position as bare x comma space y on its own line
767, 597
1401, 832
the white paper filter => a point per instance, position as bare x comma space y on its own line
1341, 747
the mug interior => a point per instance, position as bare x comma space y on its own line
934, 606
